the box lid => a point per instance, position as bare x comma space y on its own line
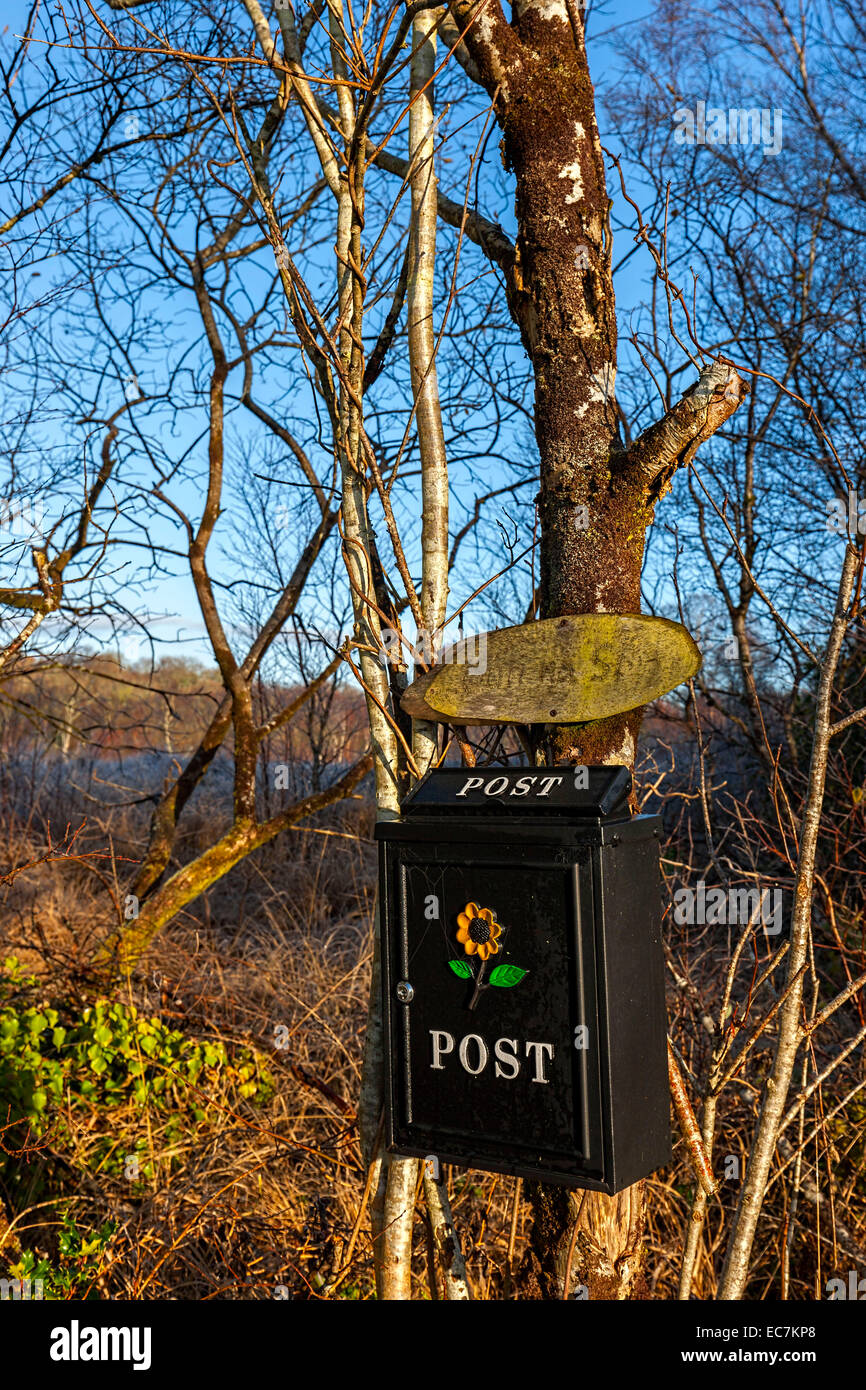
596, 793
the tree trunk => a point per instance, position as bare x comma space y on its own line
596, 498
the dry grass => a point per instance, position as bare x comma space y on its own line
262, 1200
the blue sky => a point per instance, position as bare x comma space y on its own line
167, 606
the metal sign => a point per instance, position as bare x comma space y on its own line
523, 978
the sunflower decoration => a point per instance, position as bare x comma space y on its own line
480, 935
478, 931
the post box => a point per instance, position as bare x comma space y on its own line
523, 976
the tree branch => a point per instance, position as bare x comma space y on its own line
674, 440
452, 37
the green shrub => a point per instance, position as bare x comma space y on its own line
74, 1272
58, 1062
97, 1087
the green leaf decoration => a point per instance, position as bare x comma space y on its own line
461, 968
506, 975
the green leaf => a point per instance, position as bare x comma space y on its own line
461, 968
506, 975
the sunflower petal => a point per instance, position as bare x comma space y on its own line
472, 910
462, 921
470, 947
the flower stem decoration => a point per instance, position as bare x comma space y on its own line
480, 935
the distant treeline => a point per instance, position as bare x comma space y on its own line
102, 703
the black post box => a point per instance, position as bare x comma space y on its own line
523, 978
